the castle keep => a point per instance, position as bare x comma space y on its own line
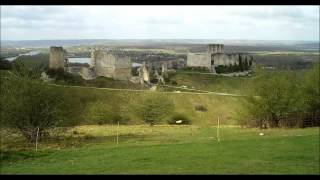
215, 59
57, 58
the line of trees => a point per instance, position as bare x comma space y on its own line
244, 65
275, 94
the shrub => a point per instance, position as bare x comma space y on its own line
30, 105
75, 132
154, 108
173, 82
88, 137
154, 81
5, 64
200, 108
105, 113
178, 117
61, 76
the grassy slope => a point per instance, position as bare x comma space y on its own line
225, 106
39, 61
177, 150
184, 103
237, 85
100, 82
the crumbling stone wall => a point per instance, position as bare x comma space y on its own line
93, 58
198, 60
57, 58
73, 69
87, 73
215, 48
177, 63
116, 66
144, 74
215, 57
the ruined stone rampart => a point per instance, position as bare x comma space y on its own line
93, 58
57, 58
215, 48
198, 60
87, 73
215, 57
116, 66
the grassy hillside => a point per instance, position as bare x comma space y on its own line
86, 99
82, 99
224, 106
169, 150
236, 85
36, 61
100, 82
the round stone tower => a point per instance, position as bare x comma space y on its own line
215, 48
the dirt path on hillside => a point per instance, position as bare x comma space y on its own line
201, 92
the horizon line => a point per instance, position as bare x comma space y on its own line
159, 39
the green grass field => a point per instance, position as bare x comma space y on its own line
165, 150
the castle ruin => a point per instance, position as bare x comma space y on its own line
118, 65
57, 58
215, 59
112, 65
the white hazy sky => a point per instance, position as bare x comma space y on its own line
160, 22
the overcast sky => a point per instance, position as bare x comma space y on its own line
160, 22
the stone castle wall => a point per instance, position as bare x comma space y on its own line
87, 73
122, 74
93, 58
111, 65
215, 48
230, 59
57, 58
104, 64
215, 57
123, 67
198, 60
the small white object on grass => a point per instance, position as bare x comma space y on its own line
261, 134
179, 121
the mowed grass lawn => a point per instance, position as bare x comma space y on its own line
165, 150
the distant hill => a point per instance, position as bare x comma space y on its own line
272, 45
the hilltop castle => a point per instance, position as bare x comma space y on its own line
118, 65
215, 59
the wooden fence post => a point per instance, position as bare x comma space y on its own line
218, 136
118, 134
37, 139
